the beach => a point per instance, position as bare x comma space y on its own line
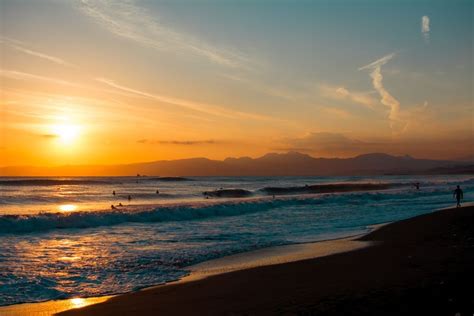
421, 265
62, 249
236, 157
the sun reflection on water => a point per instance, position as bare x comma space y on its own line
78, 302
67, 207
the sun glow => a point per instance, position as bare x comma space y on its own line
66, 133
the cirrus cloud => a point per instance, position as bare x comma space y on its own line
425, 28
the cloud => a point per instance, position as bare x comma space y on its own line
19, 75
19, 46
49, 136
200, 107
336, 112
425, 28
125, 19
341, 93
379, 62
387, 99
326, 144
177, 142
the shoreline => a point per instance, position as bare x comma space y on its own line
267, 256
421, 265
274, 255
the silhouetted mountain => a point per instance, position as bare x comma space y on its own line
272, 164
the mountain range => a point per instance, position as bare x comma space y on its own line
272, 164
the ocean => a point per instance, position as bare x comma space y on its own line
60, 237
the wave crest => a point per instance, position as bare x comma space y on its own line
14, 224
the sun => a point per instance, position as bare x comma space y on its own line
66, 133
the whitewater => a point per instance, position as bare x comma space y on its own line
61, 238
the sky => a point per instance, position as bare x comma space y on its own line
123, 81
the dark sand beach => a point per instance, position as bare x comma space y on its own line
419, 266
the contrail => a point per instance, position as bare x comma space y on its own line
386, 98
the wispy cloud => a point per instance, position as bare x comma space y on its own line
336, 112
386, 98
330, 144
326, 144
425, 28
379, 62
126, 19
196, 106
178, 142
19, 75
49, 136
341, 93
21, 47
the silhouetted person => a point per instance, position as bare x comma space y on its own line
458, 194
129, 198
113, 207
120, 204
113, 192
417, 185
157, 191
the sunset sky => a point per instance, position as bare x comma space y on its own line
106, 82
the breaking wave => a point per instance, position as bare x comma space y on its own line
13, 224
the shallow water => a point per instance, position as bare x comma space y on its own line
59, 238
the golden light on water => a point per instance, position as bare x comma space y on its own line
78, 302
73, 258
67, 207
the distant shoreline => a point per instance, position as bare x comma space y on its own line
271, 164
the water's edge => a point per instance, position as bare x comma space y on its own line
197, 272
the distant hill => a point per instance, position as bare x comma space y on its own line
272, 164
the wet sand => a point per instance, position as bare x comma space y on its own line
246, 260
423, 266
49, 307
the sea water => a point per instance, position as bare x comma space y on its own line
60, 238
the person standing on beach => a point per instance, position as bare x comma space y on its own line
458, 194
